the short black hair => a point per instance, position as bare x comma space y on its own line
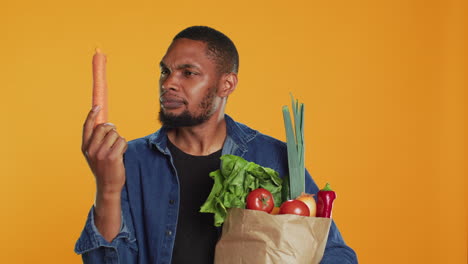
219, 46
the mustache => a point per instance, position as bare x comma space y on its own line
165, 96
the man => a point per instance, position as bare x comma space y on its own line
149, 191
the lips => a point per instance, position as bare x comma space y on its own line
170, 102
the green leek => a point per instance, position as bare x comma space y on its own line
295, 147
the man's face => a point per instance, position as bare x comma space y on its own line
188, 84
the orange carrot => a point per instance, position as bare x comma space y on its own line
100, 86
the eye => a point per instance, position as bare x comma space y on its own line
164, 71
189, 73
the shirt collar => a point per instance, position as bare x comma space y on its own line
237, 133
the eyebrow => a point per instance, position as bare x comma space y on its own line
182, 66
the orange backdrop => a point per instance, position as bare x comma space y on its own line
384, 84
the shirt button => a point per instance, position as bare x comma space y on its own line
168, 232
171, 202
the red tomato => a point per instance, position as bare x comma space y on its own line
260, 199
296, 207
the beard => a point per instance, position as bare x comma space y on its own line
187, 119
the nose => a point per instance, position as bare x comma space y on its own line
169, 82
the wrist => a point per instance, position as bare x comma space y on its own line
108, 192
107, 215
107, 199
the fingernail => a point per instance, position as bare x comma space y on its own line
96, 108
109, 124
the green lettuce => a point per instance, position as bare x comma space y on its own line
233, 182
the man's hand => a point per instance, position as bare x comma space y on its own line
103, 149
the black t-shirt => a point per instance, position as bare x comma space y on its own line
196, 235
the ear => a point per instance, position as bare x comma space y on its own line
228, 84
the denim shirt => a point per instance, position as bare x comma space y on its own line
150, 200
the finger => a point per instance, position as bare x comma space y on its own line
120, 146
98, 136
88, 126
105, 148
109, 139
126, 147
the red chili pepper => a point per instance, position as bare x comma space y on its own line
325, 198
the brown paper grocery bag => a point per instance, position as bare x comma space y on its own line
255, 237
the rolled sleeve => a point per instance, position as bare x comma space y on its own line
91, 239
95, 249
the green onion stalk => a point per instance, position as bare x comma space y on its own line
295, 146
